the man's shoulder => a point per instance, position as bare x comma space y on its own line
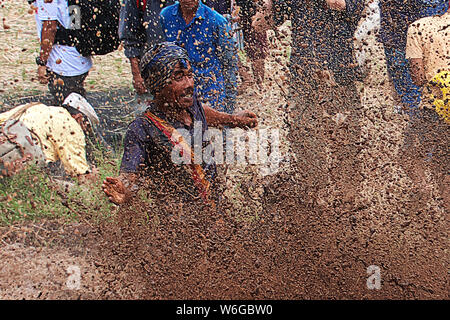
169, 11
213, 15
424, 24
44, 110
142, 129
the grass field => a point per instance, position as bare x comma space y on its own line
43, 197
20, 46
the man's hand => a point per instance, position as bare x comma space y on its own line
42, 74
246, 119
259, 22
242, 119
337, 4
115, 190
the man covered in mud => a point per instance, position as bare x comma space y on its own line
157, 140
62, 67
61, 133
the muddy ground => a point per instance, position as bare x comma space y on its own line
340, 203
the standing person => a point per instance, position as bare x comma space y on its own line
325, 106
254, 16
208, 39
62, 67
139, 29
428, 51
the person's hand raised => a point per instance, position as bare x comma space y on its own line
138, 84
42, 74
115, 190
246, 119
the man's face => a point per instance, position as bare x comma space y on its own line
188, 5
180, 88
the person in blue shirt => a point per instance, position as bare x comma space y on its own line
208, 39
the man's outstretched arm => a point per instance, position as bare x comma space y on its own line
120, 189
243, 119
133, 35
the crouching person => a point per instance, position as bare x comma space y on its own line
167, 128
46, 134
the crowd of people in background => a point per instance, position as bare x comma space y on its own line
184, 57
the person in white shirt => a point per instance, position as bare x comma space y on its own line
61, 66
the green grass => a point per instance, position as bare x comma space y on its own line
33, 195
28, 195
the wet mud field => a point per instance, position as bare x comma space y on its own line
341, 202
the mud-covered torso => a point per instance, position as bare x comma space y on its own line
149, 152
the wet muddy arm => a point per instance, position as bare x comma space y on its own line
242, 119
48, 33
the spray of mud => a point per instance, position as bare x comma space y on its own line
345, 202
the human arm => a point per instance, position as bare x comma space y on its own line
133, 35
241, 119
417, 72
120, 189
262, 20
48, 33
414, 54
339, 5
350, 7
138, 81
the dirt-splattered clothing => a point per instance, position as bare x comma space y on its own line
148, 152
212, 51
429, 40
322, 37
61, 137
139, 27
